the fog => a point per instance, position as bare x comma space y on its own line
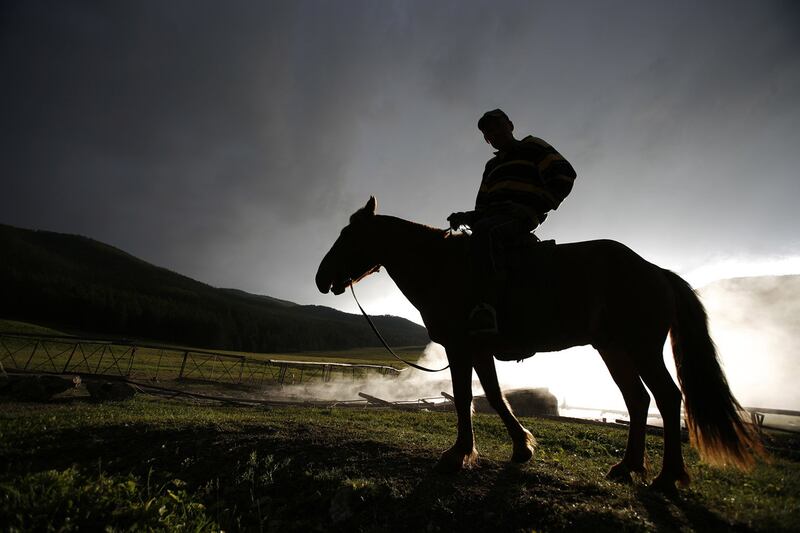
754, 322
411, 384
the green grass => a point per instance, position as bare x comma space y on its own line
70, 500
156, 465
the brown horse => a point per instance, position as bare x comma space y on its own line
596, 292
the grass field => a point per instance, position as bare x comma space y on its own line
146, 464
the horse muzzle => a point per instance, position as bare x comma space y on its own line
327, 281
338, 288
324, 283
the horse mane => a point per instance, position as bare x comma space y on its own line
416, 227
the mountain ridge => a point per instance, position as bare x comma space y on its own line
80, 283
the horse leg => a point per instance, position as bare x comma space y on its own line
637, 401
522, 439
668, 400
463, 452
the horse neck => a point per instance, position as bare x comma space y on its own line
410, 252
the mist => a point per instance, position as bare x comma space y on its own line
754, 322
411, 384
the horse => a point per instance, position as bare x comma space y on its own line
594, 292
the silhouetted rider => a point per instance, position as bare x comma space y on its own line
522, 182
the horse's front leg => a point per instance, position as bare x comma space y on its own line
463, 452
522, 439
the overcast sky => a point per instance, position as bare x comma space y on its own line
230, 141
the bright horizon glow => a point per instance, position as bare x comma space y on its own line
742, 268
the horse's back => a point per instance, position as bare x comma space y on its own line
589, 286
576, 262
597, 250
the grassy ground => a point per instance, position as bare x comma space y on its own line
148, 464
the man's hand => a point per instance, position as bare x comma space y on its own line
459, 219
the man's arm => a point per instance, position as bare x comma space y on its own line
556, 174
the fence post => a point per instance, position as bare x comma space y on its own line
158, 366
69, 359
35, 346
241, 371
183, 364
97, 370
8, 353
130, 362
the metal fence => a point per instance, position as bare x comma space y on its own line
37, 353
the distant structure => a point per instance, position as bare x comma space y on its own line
524, 402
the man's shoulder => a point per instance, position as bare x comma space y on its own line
530, 142
494, 160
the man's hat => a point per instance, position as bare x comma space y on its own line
489, 116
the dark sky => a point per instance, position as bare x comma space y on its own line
230, 141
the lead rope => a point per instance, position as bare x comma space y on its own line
369, 320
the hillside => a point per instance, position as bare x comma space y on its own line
77, 283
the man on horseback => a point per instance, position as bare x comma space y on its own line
523, 181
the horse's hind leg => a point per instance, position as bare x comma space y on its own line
668, 399
522, 439
637, 401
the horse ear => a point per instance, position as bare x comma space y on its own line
365, 212
372, 203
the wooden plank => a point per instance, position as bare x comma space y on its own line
376, 401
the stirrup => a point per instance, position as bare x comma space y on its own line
482, 320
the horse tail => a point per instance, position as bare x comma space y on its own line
713, 416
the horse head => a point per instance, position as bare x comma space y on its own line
350, 258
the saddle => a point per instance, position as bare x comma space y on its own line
524, 256
522, 261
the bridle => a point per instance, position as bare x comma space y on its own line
380, 337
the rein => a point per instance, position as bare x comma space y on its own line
385, 345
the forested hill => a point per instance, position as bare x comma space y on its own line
81, 284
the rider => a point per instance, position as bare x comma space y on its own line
523, 181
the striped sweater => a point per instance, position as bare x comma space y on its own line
532, 174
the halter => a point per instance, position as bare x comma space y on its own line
385, 345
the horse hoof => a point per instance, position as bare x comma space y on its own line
620, 474
667, 483
522, 455
451, 462
523, 452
